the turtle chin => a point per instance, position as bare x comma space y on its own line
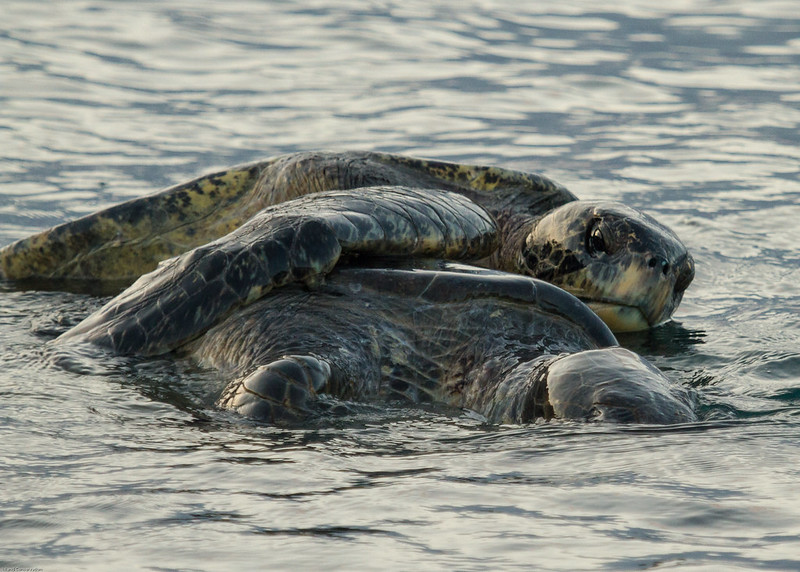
620, 317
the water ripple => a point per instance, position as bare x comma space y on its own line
686, 109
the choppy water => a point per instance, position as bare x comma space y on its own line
689, 110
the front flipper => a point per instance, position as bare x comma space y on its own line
297, 241
282, 391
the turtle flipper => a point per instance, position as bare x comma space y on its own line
281, 391
185, 295
124, 241
297, 241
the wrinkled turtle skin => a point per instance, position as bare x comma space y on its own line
630, 269
511, 348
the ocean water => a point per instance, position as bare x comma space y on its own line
689, 110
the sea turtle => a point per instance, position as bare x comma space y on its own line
509, 347
630, 269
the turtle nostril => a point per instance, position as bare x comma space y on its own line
657, 261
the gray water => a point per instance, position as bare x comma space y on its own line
687, 109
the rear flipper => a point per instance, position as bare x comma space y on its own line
285, 390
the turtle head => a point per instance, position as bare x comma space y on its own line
628, 268
614, 384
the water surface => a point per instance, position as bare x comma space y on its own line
688, 110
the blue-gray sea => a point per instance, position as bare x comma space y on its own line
688, 109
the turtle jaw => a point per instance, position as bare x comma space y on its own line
635, 296
625, 310
655, 307
620, 318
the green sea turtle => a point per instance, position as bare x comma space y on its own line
630, 269
511, 348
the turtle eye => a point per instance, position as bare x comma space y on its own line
595, 240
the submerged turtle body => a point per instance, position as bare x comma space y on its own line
625, 265
511, 348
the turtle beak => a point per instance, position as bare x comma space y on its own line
685, 274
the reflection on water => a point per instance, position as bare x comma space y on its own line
688, 110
